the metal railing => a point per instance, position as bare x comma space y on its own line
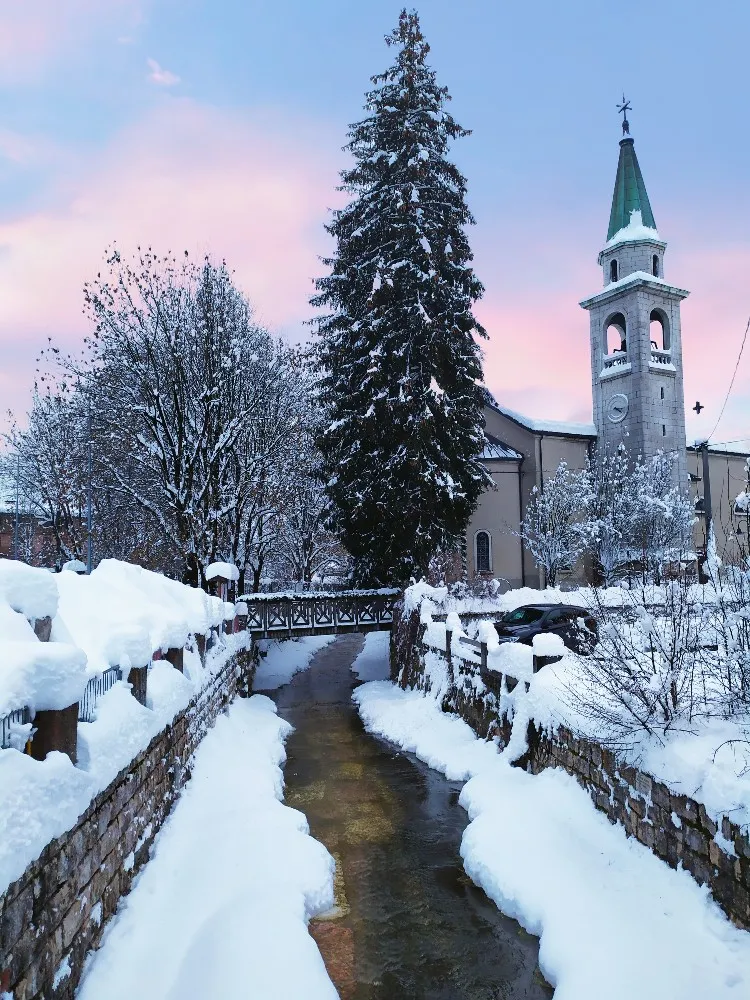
95, 688
271, 615
18, 717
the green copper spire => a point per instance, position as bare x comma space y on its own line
630, 190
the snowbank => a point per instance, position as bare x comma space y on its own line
707, 759
286, 657
31, 592
42, 675
43, 799
612, 919
372, 662
203, 924
122, 614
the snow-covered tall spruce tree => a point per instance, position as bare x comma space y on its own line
402, 371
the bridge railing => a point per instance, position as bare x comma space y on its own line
284, 615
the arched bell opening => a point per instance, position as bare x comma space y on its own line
659, 330
615, 335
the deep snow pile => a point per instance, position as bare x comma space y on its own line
707, 759
117, 617
612, 919
122, 613
43, 799
38, 675
221, 909
284, 658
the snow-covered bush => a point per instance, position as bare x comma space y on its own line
552, 528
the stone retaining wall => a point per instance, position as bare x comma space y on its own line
676, 828
56, 911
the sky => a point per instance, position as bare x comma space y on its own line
218, 125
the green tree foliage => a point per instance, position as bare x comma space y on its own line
402, 370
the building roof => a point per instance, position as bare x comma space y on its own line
499, 450
560, 428
630, 192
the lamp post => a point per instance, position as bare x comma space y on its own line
16, 521
89, 514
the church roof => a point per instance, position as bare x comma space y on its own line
560, 428
630, 192
497, 449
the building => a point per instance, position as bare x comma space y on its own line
637, 395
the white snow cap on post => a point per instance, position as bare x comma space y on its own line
75, 566
548, 644
32, 592
223, 570
42, 675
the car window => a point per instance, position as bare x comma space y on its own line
522, 616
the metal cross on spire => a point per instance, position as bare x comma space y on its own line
623, 110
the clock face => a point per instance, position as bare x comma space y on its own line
617, 408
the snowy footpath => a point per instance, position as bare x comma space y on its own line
613, 920
221, 909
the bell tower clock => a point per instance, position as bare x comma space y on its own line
636, 347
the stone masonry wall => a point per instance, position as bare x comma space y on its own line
676, 828
56, 911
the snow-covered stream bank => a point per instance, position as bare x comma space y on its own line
222, 906
612, 919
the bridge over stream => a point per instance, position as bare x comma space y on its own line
287, 616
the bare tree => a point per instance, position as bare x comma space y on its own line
176, 372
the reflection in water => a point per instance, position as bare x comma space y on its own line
408, 923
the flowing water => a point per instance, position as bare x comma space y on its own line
408, 922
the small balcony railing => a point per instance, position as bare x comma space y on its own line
660, 357
615, 360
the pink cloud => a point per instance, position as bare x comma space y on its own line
250, 190
160, 76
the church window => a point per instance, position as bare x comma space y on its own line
482, 547
663, 430
659, 330
662, 392
613, 270
655, 265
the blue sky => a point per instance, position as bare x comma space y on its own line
218, 126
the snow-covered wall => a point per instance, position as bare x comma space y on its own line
56, 908
692, 809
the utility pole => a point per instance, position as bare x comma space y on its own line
16, 522
706, 490
90, 545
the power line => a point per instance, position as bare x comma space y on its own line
734, 376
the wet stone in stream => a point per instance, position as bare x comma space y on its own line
408, 923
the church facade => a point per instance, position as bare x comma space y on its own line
637, 390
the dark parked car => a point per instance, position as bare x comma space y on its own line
575, 626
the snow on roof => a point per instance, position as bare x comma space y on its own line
497, 449
225, 570
631, 279
635, 230
560, 427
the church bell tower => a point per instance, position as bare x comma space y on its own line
636, 347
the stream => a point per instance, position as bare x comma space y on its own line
408, 922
